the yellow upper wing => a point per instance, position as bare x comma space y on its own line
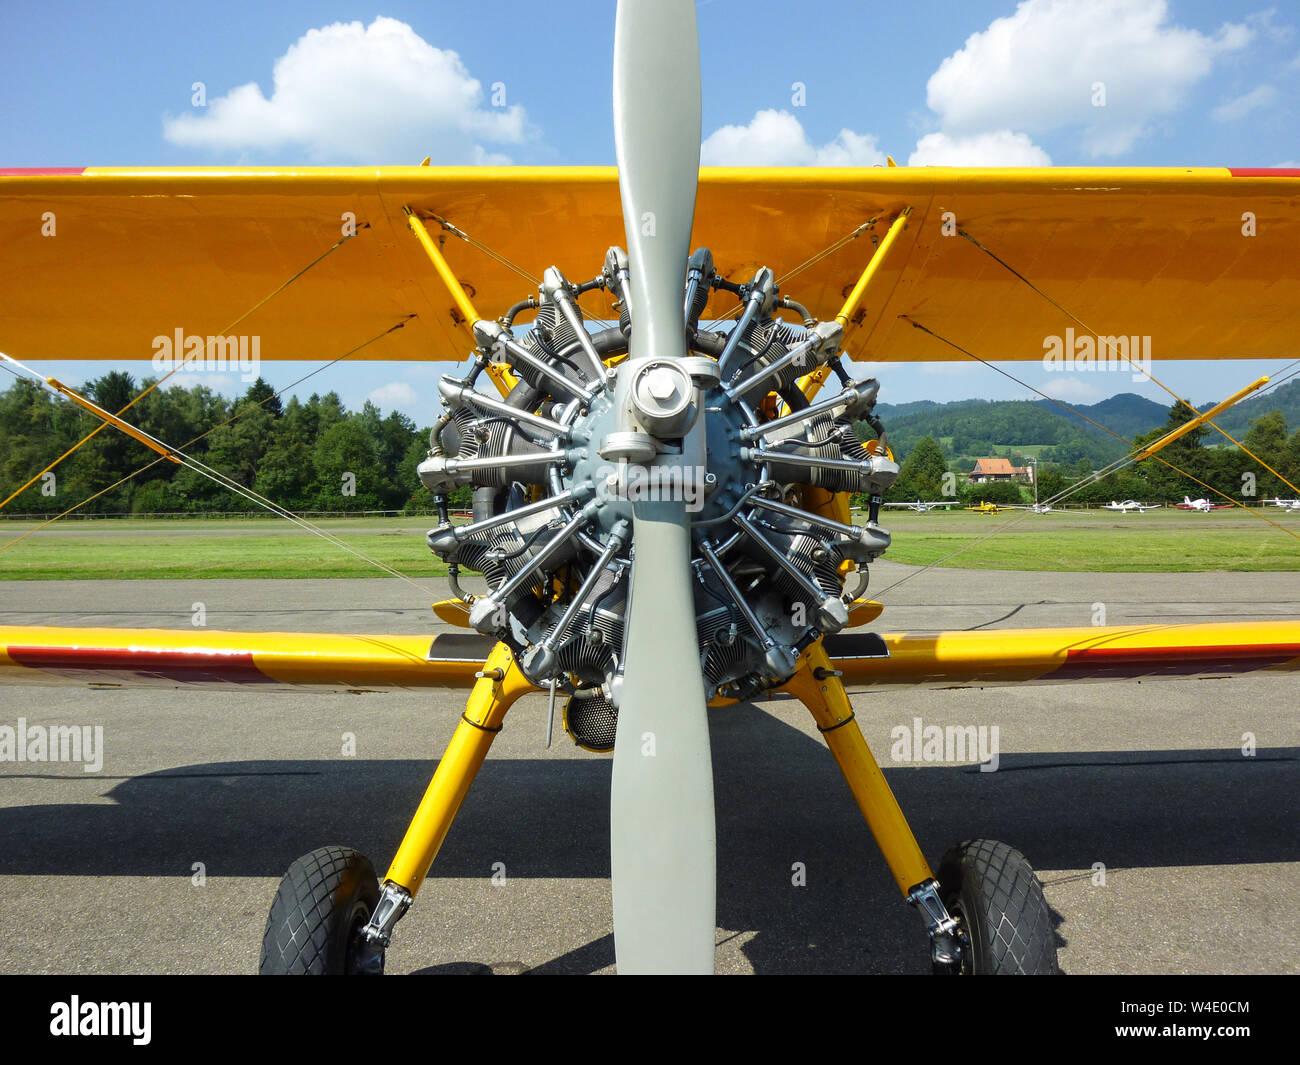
98, 262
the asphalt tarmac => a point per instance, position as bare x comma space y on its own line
1163, 848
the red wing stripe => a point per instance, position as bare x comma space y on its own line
1096, 662
189, 666
1263, 171
40, 171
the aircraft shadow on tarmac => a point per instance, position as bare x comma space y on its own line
780, 800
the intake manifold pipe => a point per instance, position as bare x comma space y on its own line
618, 281
455, 394
858, 397
539, 662
699, 278
761, 298
495, 341
832, 614
489, 613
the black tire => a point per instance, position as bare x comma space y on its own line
1005, 925
314, 927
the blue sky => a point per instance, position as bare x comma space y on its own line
1187, 83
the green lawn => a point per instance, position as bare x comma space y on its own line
1172, 541
130, 549
1161, 541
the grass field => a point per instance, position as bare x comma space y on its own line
1170, 541
126, 549
1162, 541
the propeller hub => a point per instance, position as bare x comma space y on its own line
663, 398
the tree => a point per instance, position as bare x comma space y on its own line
237, 449
1186, 454
992, 492
263, 395
1267, 436
349, 475
1051, 481
922, 473
286, 474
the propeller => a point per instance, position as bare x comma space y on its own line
663, 832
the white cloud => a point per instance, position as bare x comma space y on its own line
1039, 70
1001, 148
1240, 106
393, 394
1265, 22
348, 92
776, 138
1067, 388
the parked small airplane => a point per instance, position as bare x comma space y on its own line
921, 507
1285, 504
1130, 504
1037, 508
988, 508
1203, 505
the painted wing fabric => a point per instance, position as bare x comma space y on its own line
100, 261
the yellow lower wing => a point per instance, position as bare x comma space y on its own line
110, 657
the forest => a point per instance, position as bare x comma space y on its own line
312, 455
315, 455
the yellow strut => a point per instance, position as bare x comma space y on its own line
1187, 427
811, 383
829, 704
112, 419
501, 376
501, 683
837, 505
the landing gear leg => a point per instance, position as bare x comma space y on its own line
817, 685
985, 912
500, 683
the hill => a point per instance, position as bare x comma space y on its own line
1237, 419
1127, 414
971, 428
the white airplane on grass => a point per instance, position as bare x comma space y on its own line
921, 507
1130, 504
1285, 504
1203, 505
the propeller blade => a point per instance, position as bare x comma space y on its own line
657, 138
663, 834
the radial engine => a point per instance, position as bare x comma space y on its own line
556, 475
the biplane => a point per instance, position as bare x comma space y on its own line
661, 478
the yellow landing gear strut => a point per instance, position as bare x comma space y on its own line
815, 683
500, 684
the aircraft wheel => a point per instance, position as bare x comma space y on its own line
314, 927
1004, 924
